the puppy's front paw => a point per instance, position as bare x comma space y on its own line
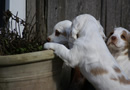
48, 46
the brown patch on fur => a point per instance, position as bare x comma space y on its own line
77, 75
123, 80
78, 80
124, 35
64, 34
126, 53
127, 41
116, 69
115, 79
98, 71
128, 38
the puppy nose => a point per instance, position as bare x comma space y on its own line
113, 38
48, 39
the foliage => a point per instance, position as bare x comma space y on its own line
11, 41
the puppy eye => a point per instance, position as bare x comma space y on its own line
123, 37
57, 33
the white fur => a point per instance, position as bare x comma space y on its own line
89, 52
64, 28
79, 22
119, 49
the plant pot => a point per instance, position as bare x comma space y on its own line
31, 71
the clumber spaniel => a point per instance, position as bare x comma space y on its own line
118, 44
61, 33
91, 54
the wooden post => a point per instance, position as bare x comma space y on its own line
56, 13
41, 20
31, 17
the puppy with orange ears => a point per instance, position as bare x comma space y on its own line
119, 45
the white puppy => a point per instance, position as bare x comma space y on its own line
118, 44
61, 32
91, 54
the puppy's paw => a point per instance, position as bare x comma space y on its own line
49, 46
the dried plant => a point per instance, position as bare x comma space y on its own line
11, 41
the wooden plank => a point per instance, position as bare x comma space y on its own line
117, 14
68, 9
118, 11
125, 8
31, 15
56, 13
113, 10
103, 14
110, 16
41, 17
77, 7
111, 13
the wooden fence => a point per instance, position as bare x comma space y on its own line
111, 13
